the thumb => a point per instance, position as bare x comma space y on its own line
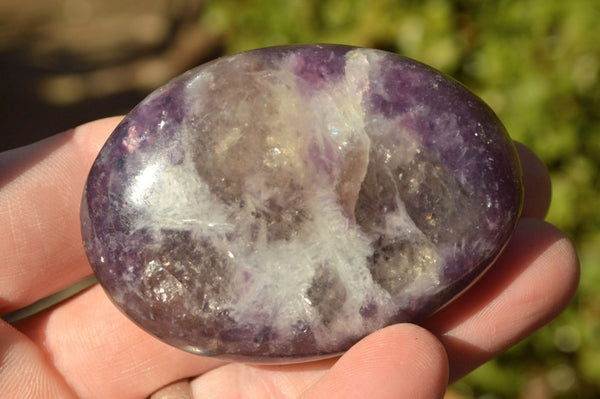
400, 361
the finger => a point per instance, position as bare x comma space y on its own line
177, 390
24, 370
236, 380
400, 361
101, 352
390, 363
532, 282
536, 184
40, 191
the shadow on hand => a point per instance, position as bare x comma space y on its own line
496, 312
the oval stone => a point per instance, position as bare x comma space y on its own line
280, 204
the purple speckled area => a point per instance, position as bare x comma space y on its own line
280, 204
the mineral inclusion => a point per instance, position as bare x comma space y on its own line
280, 204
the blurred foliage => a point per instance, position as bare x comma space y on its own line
537, 64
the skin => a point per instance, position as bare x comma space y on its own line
85, 348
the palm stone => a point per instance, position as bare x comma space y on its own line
280, 204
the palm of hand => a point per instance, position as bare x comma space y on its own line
86, 348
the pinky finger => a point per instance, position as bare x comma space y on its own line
25, 371
400, 361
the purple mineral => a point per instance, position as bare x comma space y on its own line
280, 204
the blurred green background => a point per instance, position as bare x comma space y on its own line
535, 62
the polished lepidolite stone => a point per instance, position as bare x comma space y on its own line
280, 204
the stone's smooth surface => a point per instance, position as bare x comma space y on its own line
280, 204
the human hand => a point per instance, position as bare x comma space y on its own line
86, 348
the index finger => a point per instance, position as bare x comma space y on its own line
40, 192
